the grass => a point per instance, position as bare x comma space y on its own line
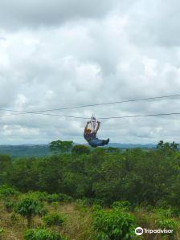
77, 225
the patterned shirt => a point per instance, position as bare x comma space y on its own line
89, 136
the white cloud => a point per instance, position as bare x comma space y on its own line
15, 14
115, 51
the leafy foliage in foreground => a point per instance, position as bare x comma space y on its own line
114, 225
29, 207
42, 234
54, 219
9, 205
6, 191
164, 220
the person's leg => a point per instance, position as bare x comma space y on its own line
97, 142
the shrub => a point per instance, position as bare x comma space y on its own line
175, 211
168, 224
168, 212
114, 225
42, 234
9, 205
164, 213
88, 202
54, 219
96, 207
52, 198
29, 207
41, 196
65, 198
6, 191
122, 205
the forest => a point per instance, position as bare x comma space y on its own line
79, 193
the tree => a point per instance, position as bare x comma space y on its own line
61, 146
112, 150
23, 174
167, 146
51, 173
80, 149
5, 163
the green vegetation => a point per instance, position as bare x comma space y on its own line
61, 146
85, 194
42, 234
114, 225
29, 207
54, 219
80, 149
140, 177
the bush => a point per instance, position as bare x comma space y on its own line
168, 212
42, 234
9, 205
164, 213
50, 198
6, 191
65, 198
114, 225
88, 202
41, 196
29, 207
168, 224
54, 219
122, 205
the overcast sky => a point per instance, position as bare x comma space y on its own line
62, 53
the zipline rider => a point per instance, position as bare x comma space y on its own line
90, 136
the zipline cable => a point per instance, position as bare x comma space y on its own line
107, 118
94, 105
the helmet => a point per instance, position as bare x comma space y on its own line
88, 130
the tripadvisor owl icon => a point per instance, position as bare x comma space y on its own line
138, 231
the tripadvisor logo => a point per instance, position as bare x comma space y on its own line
138, 231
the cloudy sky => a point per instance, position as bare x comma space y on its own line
62, 53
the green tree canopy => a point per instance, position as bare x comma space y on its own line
61, 146
80, 149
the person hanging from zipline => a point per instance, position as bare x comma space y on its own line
90, 133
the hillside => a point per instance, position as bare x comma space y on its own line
25, 150
43, 150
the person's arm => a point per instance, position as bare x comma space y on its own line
86, 127
98, 126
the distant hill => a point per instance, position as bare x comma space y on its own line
125, 145
25, 150
43, 150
